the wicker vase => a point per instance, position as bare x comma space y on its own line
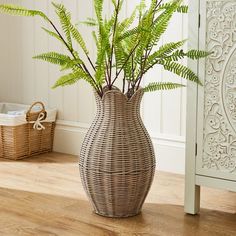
117, 162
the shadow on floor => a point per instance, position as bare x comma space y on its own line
28, 213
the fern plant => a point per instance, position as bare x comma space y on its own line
125, 50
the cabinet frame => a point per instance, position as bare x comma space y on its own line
195, 176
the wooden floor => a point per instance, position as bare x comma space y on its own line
43, 196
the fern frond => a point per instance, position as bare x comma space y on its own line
156, 86
95, 38
78, 37
98, 6
76, 75
120, 54
123, 58
100, 65
21, 11
157, 26
53, 34
162, 21
72, 64
197, 54
103, 43
90, 22
183, 9
180, 9
65, 20
181, 71
132, 32
141, 7
68, 79
164, 51
192, 54
125, 24
170, 47
54, 58
101, 59
115, 4
175, 56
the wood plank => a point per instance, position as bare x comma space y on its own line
43, 195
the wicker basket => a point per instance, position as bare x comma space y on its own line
28, 134
117, 162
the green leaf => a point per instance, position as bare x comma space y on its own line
164, 51
162, 21
65, 20
100, 65
131, 32
98, 6
95, 38
170, 47
175, 56
192, 54
90, 22
69, 79
54, 58
180, 9
197, 54
156, 86
125, 24
21, 11
53, 34
183, 9
78, 37
72, 64
181, 71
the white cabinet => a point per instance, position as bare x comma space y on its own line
211, 123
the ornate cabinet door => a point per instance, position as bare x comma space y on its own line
216, 125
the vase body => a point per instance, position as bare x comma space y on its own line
117, 161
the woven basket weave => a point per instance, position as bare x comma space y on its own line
21, 141
117, 162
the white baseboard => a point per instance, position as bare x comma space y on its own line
170, 150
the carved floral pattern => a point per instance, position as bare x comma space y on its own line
219, 151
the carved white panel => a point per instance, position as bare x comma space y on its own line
219, 144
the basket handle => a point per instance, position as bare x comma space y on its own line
33, 116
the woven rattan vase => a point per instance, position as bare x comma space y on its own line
117, 162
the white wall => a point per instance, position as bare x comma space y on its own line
24, 80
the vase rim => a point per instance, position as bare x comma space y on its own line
118, 91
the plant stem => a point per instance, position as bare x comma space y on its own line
91, 63
142, 70
113, 39
133, 70
107, 72
84, 68
147, 53
127, 59
123, 90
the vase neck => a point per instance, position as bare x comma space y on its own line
114, 101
